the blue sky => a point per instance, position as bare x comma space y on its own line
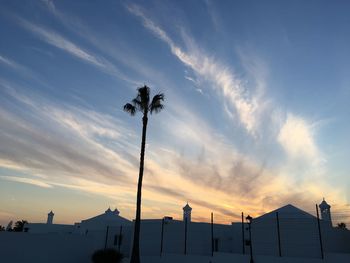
256, 111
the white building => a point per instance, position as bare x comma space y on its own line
285, 232
109, 218
49, 227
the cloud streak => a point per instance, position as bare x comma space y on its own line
53, 38
21, 69
26, 181
221, 76
297, 139
231, 175
37, 143
8, 62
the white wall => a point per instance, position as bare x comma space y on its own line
49, 228
298, 238
336, 240
224, 258
114, 231
198, 237
70, 248
43, 248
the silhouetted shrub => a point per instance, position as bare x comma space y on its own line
107, 256
341, 225
19, 225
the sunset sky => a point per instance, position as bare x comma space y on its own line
256, 107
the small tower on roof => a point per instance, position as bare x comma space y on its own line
187, 213
325, 212
112, 212
50, 218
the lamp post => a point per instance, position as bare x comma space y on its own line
249, 221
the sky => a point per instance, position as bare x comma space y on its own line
256, 109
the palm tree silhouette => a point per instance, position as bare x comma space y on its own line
143, 104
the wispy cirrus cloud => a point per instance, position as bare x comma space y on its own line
67, 146
255, 112
8, 62
58, 41
296, 137
74, 152
70, 147
21, 69
221, 76
35, 143
115, 49
50, 5
249, 104
304, 160
55, 39
25, 180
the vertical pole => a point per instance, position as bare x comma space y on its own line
161, 238
279, 235
185, 251
243, 245
106, 237
120, 238
319, 231
250, 242
212, 234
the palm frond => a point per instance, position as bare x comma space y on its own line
143, 97
156, 104
130, 108
137, 103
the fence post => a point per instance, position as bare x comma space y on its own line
161, 237
185, 251
319, 231
279, 235
120, 238
212, 234
106, 237
243, 244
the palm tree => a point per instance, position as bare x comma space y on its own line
143, 104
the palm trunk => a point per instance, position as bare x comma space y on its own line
135, 253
